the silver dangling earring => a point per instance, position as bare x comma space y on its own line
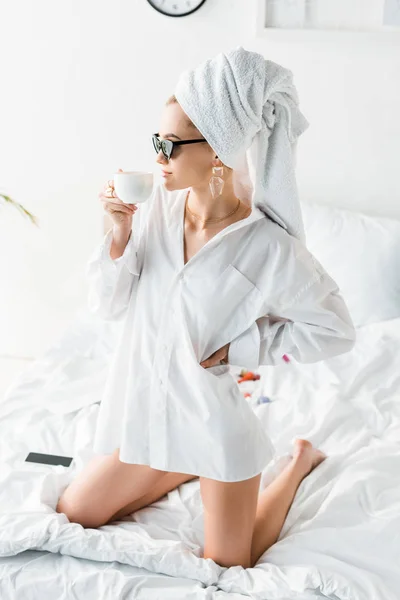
216, 182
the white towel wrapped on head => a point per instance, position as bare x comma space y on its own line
246, 108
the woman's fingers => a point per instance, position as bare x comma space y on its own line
112, 203
119, 206
115, 200
108, 187
111, 209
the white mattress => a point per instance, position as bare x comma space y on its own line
341, 538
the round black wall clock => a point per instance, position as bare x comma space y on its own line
176, 8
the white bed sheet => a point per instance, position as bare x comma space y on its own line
341, 538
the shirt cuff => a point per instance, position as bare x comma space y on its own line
112, 265
244, 350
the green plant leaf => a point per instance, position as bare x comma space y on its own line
19, 207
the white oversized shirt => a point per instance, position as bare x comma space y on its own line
160, 406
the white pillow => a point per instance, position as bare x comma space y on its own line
362, 254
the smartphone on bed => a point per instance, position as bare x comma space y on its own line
48, 459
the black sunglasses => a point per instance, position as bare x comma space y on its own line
167, 146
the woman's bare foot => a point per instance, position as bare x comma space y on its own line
305, 454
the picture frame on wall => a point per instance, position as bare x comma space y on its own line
328, 16
391, 13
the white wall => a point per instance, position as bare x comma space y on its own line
83, 86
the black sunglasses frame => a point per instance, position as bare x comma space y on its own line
167, 146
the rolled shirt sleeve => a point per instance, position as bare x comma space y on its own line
111, 280
314, 324
244, 350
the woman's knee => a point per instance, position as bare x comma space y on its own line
77, 511
73, 512
88, 501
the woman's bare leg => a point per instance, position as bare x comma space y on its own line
103, 486
275, 501
229, 514
166, 484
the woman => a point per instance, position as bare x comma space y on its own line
196, 423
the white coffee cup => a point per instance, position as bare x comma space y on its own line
133, 187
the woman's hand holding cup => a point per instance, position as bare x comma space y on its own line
120, 213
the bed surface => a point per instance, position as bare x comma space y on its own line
340, 539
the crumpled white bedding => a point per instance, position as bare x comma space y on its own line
341, 538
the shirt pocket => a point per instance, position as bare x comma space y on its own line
224, 305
